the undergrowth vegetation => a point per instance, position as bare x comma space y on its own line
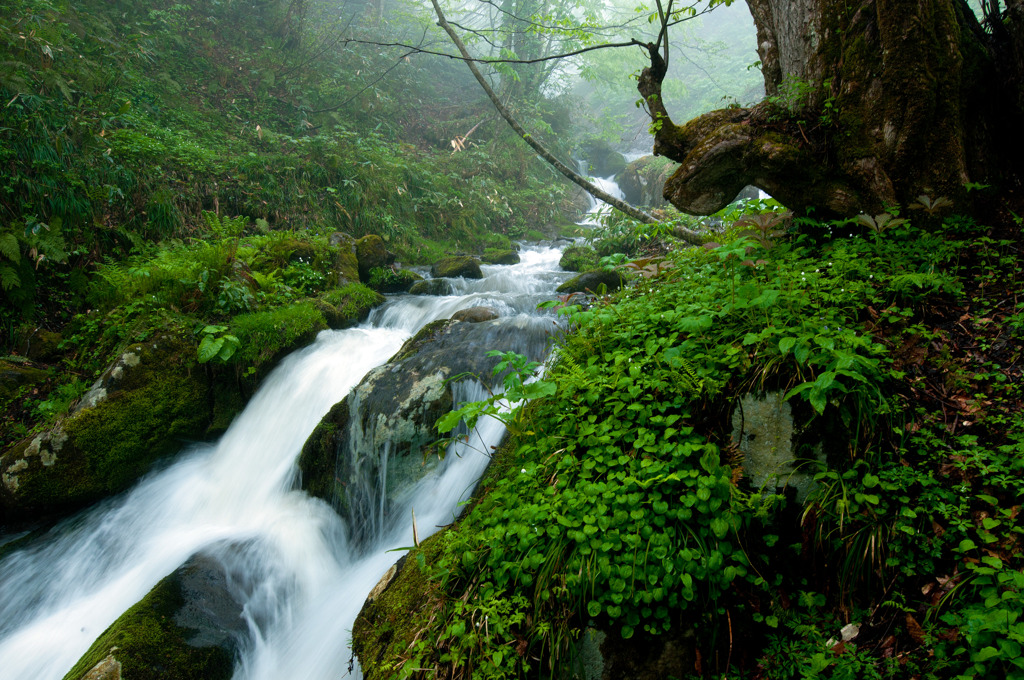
123, 122
623, 502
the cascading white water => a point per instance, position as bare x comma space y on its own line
288, 553
596, 207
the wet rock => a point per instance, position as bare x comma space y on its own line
388, 420
578, 259
345, 268
431, 287
459, 265
187, 627
499, 256
592, 281
475, 314
372, 253
142, 407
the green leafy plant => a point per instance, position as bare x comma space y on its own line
217, 343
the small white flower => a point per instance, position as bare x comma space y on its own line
523, 471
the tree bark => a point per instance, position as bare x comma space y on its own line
870, 103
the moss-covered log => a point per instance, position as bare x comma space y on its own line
869, 104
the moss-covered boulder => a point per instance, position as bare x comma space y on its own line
372, 253
40, 344
406, 594
186, 628
391, 280
458, 265
17, 375
431, 287
346, 306
142, 407
345, 268
578, 259
591, 282
500, 256
267, 337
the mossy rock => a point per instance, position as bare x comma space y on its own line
431, 287
349, 305
591, 282
346, 262
14, 376
165, 636
141, 409
642, 180
267, 337
389, 280
500, 256
395, 611
288, 250
39, 344
459, 265
395, 408
578, 259
372, 253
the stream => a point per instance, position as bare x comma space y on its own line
289, 557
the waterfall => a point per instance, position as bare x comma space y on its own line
606, 184
300, 581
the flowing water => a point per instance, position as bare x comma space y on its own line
288, 555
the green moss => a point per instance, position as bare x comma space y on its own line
317, 461
578, 259
388, 624
500, 256
353, 302
388, 280
150, 646
122, 437
267, 336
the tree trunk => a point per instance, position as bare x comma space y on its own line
870, 103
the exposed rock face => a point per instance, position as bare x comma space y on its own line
346, 261
763, 430
372, 253
140, 409
460, 265
475, 314
187, 627
603, 161
388, 419
591, 281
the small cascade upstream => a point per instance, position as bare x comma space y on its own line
597, 208
291, 564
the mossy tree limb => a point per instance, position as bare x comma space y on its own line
869, 104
